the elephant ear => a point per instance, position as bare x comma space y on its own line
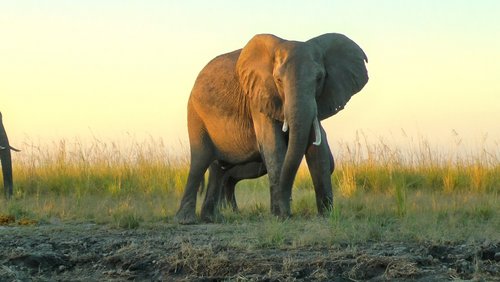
344, 62
255, 71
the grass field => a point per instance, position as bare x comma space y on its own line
380, 192
104, 211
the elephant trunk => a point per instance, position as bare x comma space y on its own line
300, 117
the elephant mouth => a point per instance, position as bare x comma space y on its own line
317, 131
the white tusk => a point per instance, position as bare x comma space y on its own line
2, 148
285, 126
14, 149
317, 132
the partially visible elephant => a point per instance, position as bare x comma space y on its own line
243, 101
237, 173
231, 177
5, 158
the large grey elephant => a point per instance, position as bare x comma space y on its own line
242, 103
5, 158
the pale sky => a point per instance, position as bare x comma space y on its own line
112, 69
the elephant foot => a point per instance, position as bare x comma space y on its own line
275, 210
185, 218
325, 207
282, 214
285, 216
212, 218
282, 210
324, 212
210, 211
207, 218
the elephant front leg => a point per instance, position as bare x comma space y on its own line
272, 146
6, 160
321, 165
274, 162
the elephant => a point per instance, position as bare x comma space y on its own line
5, 158
225, 192
264, 103
241, 172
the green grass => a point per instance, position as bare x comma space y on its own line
381, 193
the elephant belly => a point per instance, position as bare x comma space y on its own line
234, 142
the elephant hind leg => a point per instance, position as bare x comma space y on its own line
187, 211
202, 155
230, 197
226, 196
215, 176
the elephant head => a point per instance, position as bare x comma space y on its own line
327, 69
5, 158
298, 83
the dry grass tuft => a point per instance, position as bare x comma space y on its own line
11, 219
7, 219
27, 221
369, 267
400, 268
199, 260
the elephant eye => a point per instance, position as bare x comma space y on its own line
319, 78
319, 83
321, 75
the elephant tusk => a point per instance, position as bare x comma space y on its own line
285, 126
317, 132
14, 149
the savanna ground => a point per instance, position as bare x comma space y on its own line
101, 212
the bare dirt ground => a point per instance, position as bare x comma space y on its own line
167, 252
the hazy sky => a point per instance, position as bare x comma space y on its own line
117, 68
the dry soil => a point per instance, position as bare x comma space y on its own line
169, 252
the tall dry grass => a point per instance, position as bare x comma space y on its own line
379, 188
73, 167
149, 166
377, 166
